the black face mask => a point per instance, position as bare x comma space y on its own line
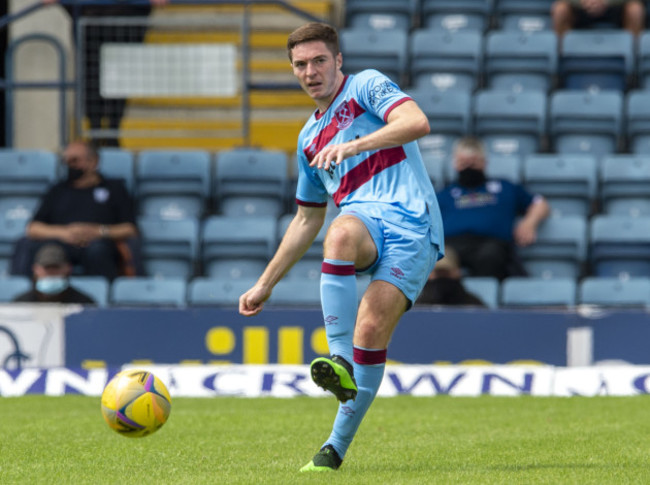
75, 174
471, 178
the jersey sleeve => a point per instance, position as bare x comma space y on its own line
523, 197
310, 190
377, 94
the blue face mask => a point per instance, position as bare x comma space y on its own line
51, 285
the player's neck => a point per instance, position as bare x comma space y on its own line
324, 103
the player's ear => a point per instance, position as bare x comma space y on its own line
339, 60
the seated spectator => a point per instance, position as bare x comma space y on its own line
585, 14
480, 215
93, 219
52, 279
445, 287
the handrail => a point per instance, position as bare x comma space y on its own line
8, 85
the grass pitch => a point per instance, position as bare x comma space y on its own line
404, 440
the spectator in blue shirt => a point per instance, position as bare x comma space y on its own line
486, 219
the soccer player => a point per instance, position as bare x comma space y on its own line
359, 148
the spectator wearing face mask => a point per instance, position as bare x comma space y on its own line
90, 216
51, 275
486, 219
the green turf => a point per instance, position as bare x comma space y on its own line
410, 440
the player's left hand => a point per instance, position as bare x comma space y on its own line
333, 154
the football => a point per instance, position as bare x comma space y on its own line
135, 403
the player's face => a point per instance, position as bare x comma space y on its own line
468, 159
318, 71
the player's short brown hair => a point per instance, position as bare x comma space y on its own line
314, 31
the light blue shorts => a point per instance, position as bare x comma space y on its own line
405, 257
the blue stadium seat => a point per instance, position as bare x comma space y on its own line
508, 167
560, 250
213, 291
509, 119
625, 185
620, 246
445, 61
118, 163
521, 291
584, 122
26, 173
456, 14
226, 238
597, 59
251, 182
386, 51
12, 286
523, 15
148, 291
637, 119
569, 182
615, 292
643, 60
448, 113
308, 268
315, 251
173, 184
436, 167
484, 287
96, 287
169, 247
296, 292
519, 61
11, 229
380, 14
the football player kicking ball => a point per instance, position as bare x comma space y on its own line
359, 148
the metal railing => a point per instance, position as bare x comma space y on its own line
9, 84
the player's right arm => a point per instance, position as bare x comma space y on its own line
299, 236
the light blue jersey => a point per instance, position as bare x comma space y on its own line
391, 184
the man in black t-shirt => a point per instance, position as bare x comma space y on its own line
90, 216
52, 279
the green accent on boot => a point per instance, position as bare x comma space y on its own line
336, 376
326, 460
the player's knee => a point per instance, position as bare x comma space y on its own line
370, 334
340, 243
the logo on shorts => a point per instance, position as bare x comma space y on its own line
397, 273
343, 116
331, 320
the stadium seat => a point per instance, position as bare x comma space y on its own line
26, 173
448, 113
226, 238
597, 59
508, 167
236, 268
510, 123
386, 51
213, 291
169, 247
306, 269
643, 60
173, 184
11, 229
12, 286
96, 287
560, 250
118, 163
380, 14
520, 61
456, 14
521, 291
296, 292
523, 15
637, 121
148, 291
619, 246
315, 251
484, 287
445, 61
584, 122
569, 182
625, 185
251, 182
615, 292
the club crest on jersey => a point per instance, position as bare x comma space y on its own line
343, 115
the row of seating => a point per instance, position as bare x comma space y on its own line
443, 60
514, 292
239, 248
449, 14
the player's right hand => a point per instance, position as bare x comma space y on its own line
252, 302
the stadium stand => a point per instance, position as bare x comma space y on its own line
173, 184
25, 175
11, 229
521, 291
615, 292
118, 163
215, 291
619, 246
637, 121
625, 185
296, 292
148, 291
96, 287
12, 286
484, 287
457, 14
380, 14
523, 15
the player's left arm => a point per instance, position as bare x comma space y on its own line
404, 124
